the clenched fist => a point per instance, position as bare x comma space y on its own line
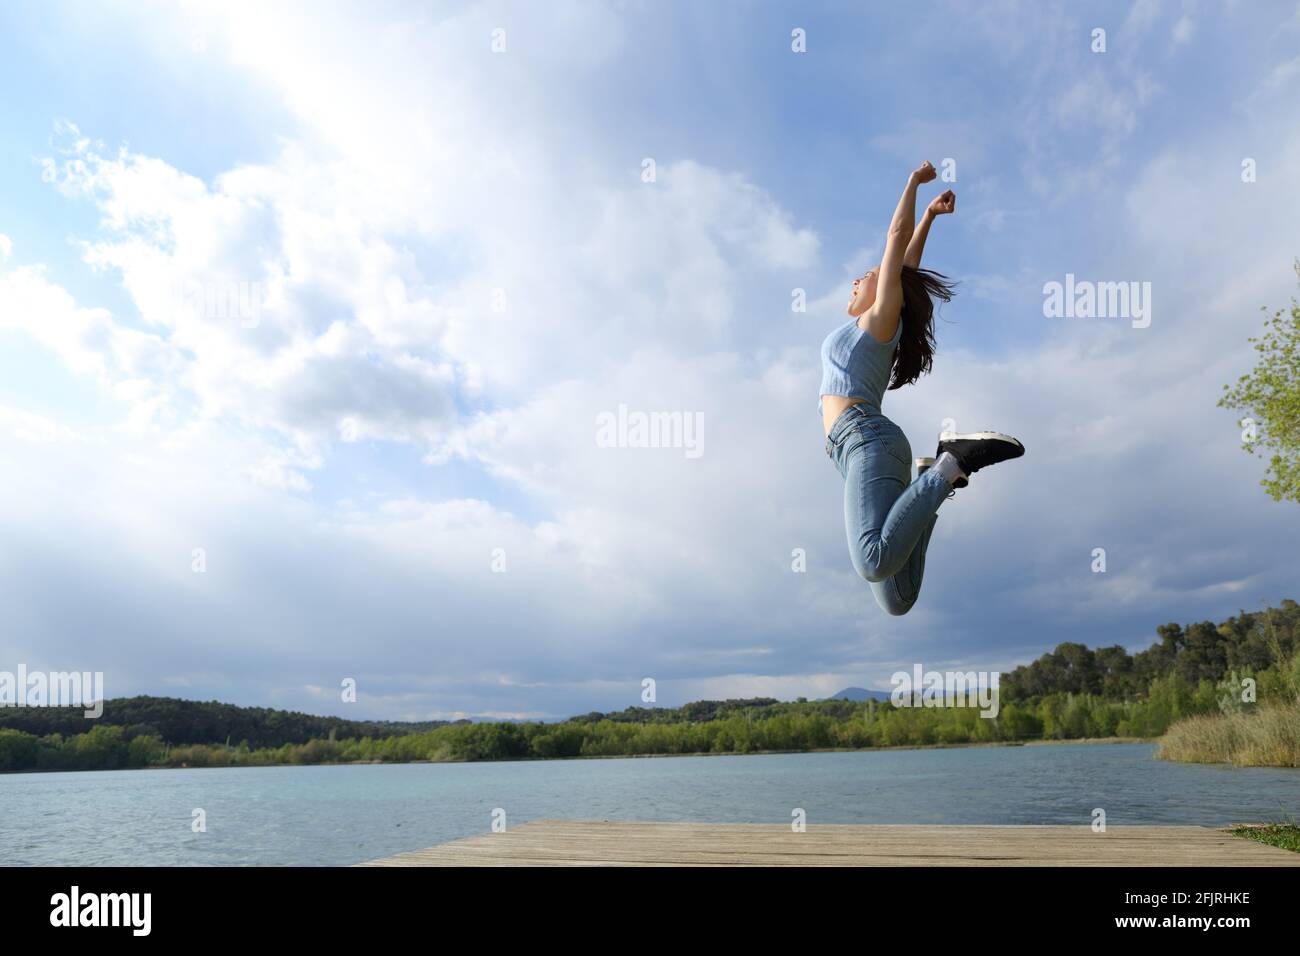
943, 204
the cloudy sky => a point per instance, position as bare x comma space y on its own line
308, 315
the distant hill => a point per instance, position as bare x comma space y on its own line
180, 721
860, 693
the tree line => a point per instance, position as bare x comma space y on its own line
180, 721
1070, 693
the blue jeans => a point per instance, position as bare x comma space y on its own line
888, 517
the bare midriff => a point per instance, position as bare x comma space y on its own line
833, 407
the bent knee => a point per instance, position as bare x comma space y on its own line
869, 564
870, 571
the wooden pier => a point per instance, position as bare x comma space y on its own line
615, 843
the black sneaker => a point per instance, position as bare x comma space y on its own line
976, 450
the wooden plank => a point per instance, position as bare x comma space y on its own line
621, 843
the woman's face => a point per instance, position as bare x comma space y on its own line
864, 292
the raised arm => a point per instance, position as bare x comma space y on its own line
939, 206
882, 317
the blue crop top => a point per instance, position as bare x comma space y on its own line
855, 365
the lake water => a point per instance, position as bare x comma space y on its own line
346, 814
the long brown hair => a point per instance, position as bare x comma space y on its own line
915, 353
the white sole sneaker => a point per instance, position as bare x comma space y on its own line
976, 450
977, 436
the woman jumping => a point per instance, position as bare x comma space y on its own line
891, 334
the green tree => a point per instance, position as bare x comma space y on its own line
1270, 397
18, 751
145, 751
103, 748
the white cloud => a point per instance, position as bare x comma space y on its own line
127, 362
